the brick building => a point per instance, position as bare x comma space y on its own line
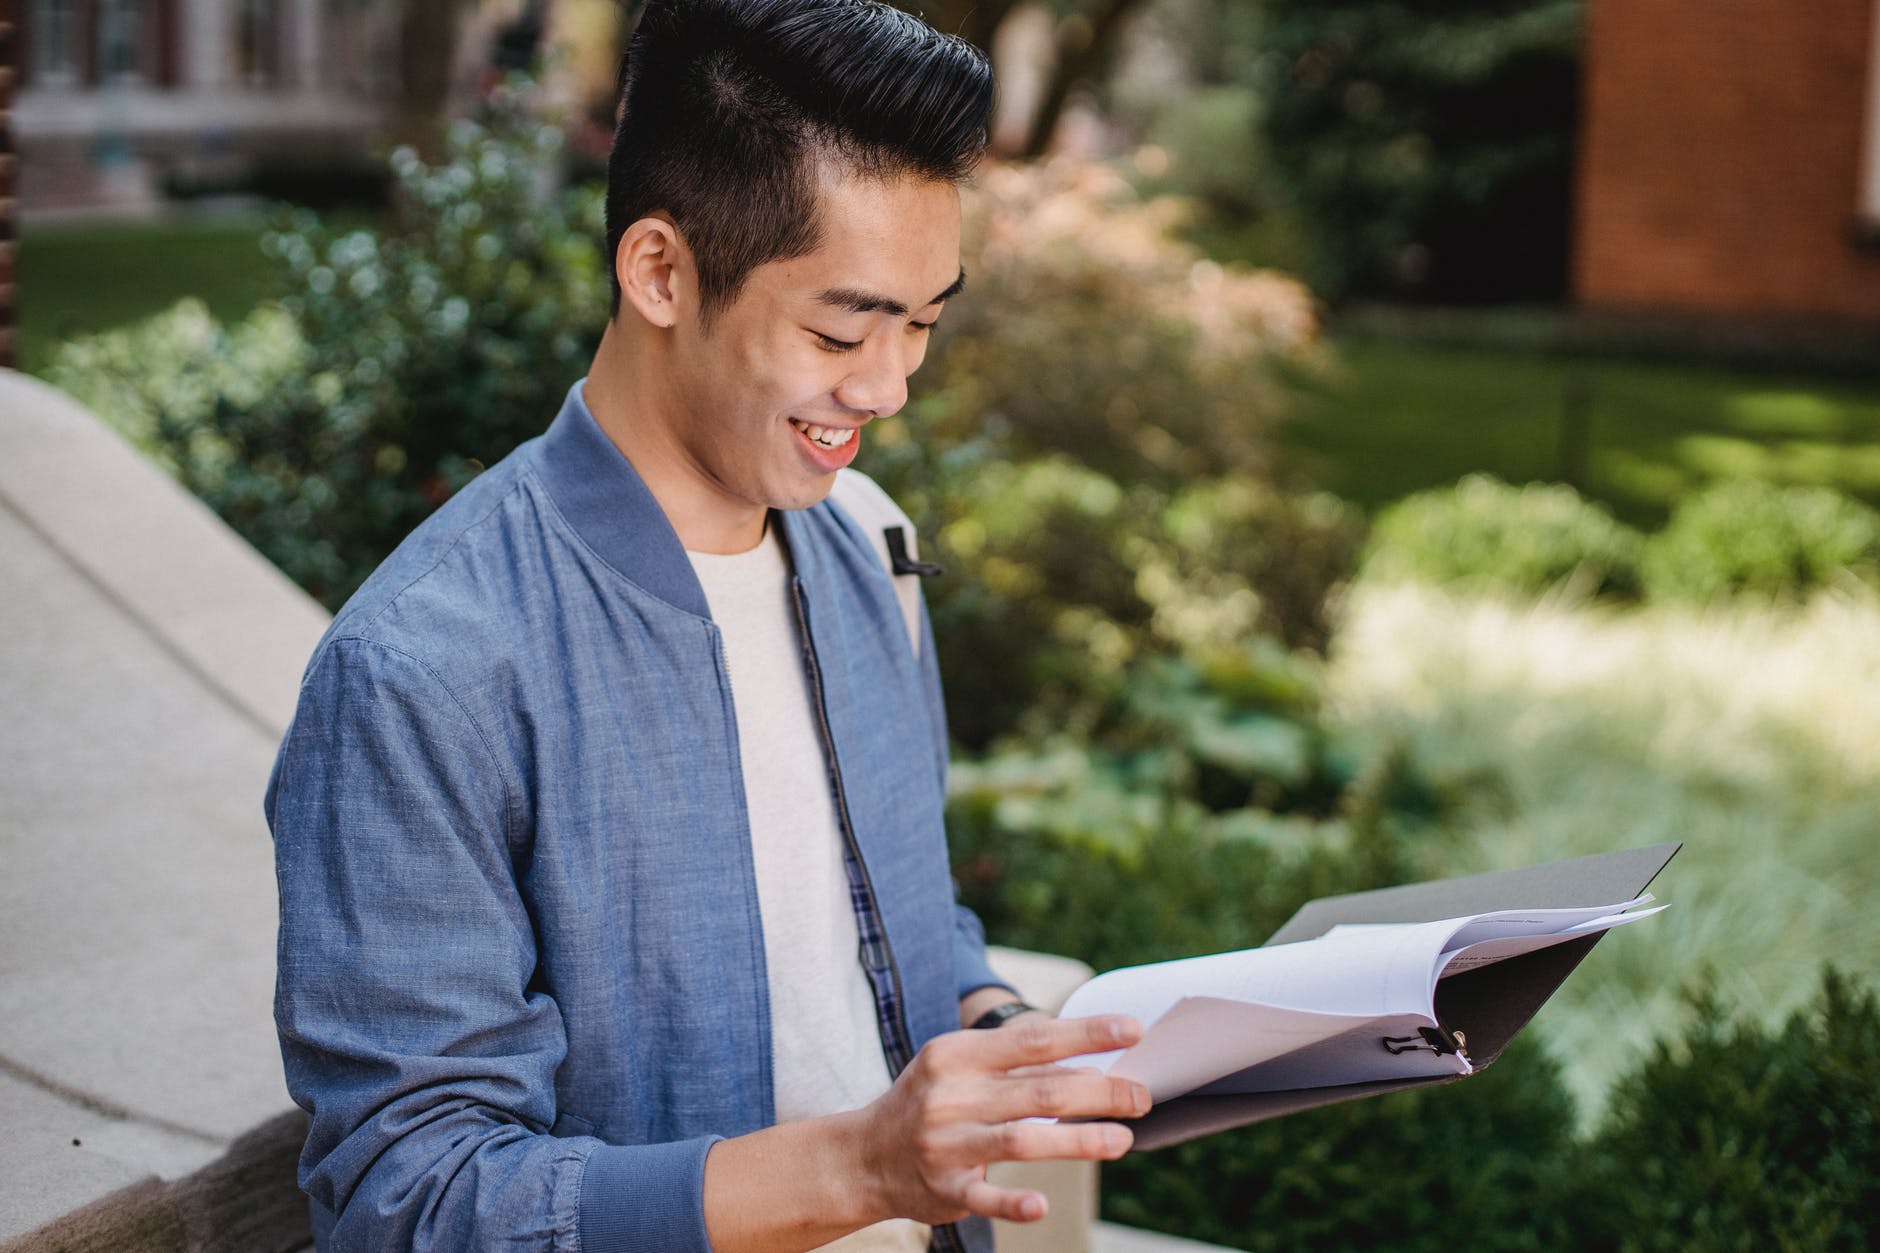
1730, 158
114, 95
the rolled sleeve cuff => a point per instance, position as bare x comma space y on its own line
975, 972
649, 1196
971, 969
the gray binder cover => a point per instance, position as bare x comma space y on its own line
1490, 1004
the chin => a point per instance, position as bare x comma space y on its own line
798, 489
807, 493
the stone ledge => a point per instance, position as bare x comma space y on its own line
1110, 1238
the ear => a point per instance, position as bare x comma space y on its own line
655, 270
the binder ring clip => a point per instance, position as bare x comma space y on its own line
1434, 1039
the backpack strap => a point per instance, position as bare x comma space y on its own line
892, 535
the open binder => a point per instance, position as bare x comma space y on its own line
1487, 1006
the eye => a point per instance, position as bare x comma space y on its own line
921, 326
834, 345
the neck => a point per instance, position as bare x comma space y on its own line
641, 422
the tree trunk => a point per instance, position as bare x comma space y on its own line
1083, 42
973, 20
428, 34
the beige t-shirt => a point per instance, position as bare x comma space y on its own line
826, 1053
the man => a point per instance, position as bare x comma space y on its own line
615, 910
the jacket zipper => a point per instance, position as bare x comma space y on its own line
946, 1239
901, 1046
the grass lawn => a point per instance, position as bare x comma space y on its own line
1391, 419
81, 278
85, 277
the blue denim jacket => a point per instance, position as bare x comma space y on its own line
521, 969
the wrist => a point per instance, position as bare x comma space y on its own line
857, 1171
1000, 1014
974, 1004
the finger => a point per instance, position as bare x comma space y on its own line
1067, 1094
1049, 1068
1036, 1038
996, 1202
1039, 1141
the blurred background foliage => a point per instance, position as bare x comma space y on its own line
1428, 147
1253, 594
394, 362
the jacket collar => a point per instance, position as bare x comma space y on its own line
606, 501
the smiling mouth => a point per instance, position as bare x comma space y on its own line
825, 436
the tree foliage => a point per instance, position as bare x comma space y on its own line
1427, 143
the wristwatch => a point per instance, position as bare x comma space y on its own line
998, 1015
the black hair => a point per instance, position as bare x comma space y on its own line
728, 107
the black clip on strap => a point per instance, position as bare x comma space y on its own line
899, 561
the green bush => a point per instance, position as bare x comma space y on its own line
1209, 139
1459, 1166
1740, 1137
1746, 536
1198, 805
1059, 578
1092, 331
397, 364
234, 413
1242, 557
1487, 534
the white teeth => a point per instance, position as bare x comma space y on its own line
827, 436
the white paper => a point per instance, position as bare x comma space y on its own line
1313, 1013
1488, 952
1232, 1046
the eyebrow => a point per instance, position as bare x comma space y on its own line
855, 300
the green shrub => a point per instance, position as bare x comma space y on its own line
1092, 331
398, 363
1209, 139
1739, 1137
1458, 1166
1241, 557
235, 415
1059, 578
1747, 536
1487, 534
1199, 804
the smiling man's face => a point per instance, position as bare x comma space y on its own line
776, 398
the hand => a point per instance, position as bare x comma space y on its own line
964, 1101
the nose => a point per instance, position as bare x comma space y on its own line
878, 383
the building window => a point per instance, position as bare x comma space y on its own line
258, 43
120, 31
55, 42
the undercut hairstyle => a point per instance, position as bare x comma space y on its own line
731, 109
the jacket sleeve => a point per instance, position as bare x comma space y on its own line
971, 971
412, 1027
